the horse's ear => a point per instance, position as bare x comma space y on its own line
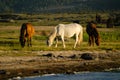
94, 22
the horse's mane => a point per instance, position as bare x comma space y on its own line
91, 29
22, 31
53, 33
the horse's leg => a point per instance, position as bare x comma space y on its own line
76, 40
62, 37
93, 40
24, 40
30, 41
56, 41
90, 39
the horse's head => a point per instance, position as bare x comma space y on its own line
97, 41
51, 38
49, 42
22, 41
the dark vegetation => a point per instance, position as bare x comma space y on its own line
40, 12
108, 20
111, 21
53, 6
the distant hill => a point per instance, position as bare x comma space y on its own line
39, 6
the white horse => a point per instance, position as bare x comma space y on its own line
66, 30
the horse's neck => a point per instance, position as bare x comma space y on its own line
53, 34
93, 25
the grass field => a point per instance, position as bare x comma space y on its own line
9, 40
44, 23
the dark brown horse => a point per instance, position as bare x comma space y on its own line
93, 34
26, 33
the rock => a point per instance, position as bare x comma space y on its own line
2, 71
16, 78
49, 55
36, 72
69, 72
60, 56
72, 56
87, 56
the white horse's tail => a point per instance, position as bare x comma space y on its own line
80, 36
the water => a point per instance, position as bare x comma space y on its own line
79, 76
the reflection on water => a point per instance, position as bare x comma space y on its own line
79, 76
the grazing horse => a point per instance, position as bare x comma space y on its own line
93, 34
26, 33
66, 30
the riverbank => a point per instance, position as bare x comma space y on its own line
47, 62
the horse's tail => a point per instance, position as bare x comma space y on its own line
80, 36
23, 31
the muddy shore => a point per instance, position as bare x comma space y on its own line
47, 62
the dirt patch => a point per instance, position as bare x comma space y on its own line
47, 62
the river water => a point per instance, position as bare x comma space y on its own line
79, 76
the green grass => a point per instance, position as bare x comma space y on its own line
9, 41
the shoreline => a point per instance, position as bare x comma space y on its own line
49, 62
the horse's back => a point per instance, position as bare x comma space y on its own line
68, 30
73, 28
72, 25
69, 27
29, 28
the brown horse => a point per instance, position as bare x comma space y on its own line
93, 34
26, 33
